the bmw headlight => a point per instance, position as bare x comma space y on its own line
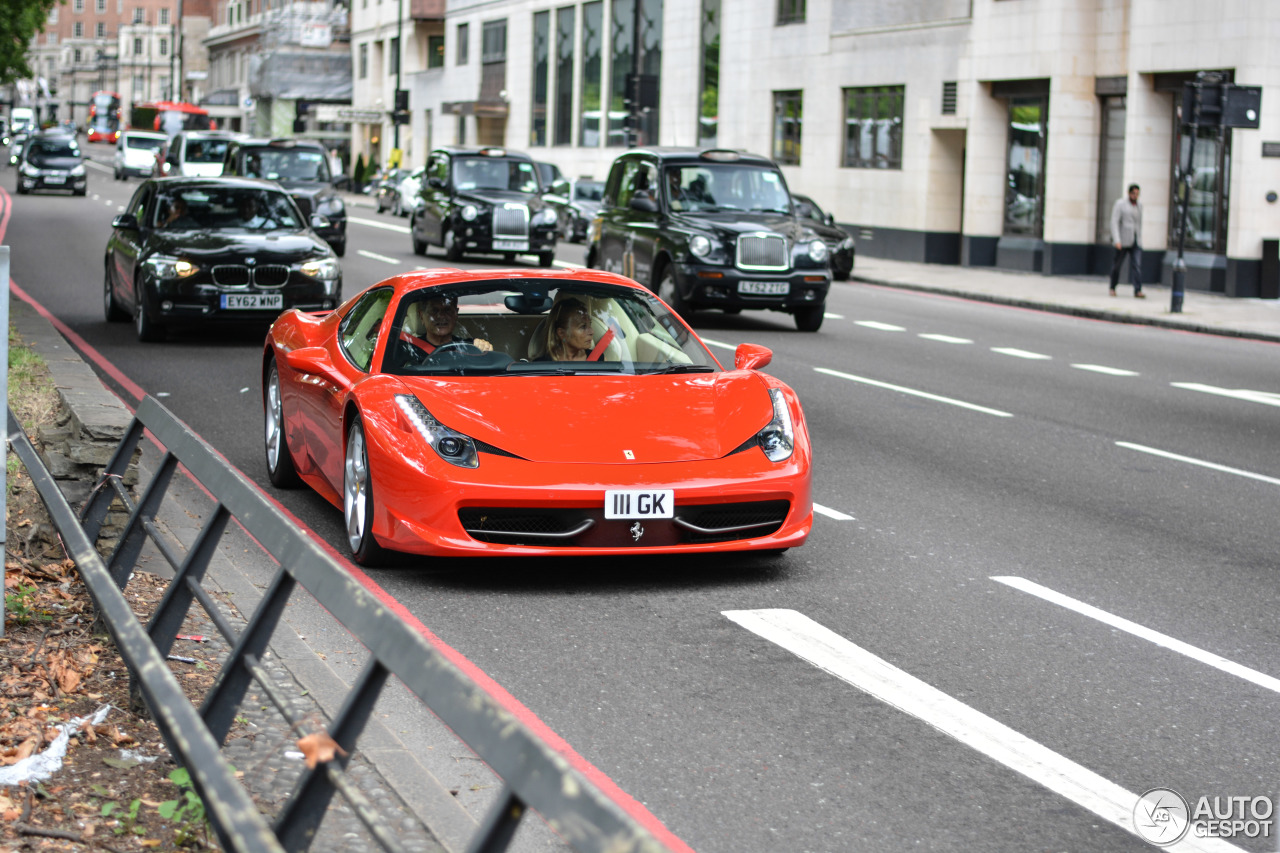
700, 246
546, 216
166, 267
778, 439
324, 269
470, 212
77, 171
818, 251
453, 447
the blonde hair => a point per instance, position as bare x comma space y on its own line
559, 319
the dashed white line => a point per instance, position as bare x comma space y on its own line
1141, 448
883, 327
914, 393
375, 256
1164, 640
876, 677
946, 339
1021, 353
832, 513
373, 223
1267, 398
1109, 371
831, 316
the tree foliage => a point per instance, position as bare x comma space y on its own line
19, 22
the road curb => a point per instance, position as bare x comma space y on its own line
1071, 310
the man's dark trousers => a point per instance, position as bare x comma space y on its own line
1135, 267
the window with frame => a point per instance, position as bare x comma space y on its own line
164, 17
709, 100
100, 30
100, 5
51, 38
1210, 180
77, 30
393, 57
592, 44
791, 11
363, 62
435, 51
788, 121
53, 15
873, 127
463, 47
78, 6
139, 16
564, 75
541, 69
1024, 189
77, 56
137, 47
493, 46
164, 47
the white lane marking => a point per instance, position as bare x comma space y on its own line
1267, 398
1164, 640
720, 344
111, 169
831, 316
946, 339
120, 208
373, 223
375, 256
1110, 371
109, 203
1021, 353
828, 651
568, 265
1142, 448
832, 513
96, 196
925, 394
876, 324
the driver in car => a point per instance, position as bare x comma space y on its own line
429, 325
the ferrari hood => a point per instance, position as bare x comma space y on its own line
603, 419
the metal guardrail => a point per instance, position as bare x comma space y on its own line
534, 776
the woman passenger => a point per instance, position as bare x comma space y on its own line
569, 335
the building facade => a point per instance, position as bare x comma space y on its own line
977, 132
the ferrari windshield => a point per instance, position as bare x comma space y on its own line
518, 327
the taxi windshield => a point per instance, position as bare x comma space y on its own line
538, 327
709, 187
494, 173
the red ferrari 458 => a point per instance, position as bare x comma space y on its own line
520, 412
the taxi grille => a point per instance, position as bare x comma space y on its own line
240, 275
762, 252
511, 222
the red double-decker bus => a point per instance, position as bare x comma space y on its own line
169, 117
104, 117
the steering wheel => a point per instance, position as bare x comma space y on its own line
458, 347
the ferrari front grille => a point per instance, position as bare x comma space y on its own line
511, 222
726, 522
762, 252
522, 526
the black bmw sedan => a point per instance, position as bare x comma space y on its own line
189, 251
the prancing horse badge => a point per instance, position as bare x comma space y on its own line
636, 531
628, 454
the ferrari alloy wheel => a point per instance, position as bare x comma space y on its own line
280, 467
357, 499
111, 309
452, 250
669, 292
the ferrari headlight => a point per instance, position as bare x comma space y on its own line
453, 447
470, 212
778, 439
818, 251
77, 171
700, 246
546, 216
166, 267
321, 268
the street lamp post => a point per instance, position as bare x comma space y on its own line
395, 103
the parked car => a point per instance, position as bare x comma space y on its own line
710, 228
191, 251
483, 200
302, 167
51, 161
194, 153
577, 203
839, 242
387, 189
548, 174
407, 190
136, 152
433, 451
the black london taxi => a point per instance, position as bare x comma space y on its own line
302, 167
485, 201
710, 228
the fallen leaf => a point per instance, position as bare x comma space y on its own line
319, 748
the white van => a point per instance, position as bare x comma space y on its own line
196, 153
136, 152
22, 118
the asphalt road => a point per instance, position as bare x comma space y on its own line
1043, 573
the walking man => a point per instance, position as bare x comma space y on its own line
1126, 233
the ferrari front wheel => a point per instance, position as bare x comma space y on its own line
280, 467
357, 499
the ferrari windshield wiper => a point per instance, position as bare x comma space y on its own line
540, 371
686, 368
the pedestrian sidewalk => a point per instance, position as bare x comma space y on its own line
1082, 296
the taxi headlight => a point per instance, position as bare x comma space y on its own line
321, 268
166, 267
335, 205
700, 246
778, 439
453, 447
546, 216
818, 251
470, 212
